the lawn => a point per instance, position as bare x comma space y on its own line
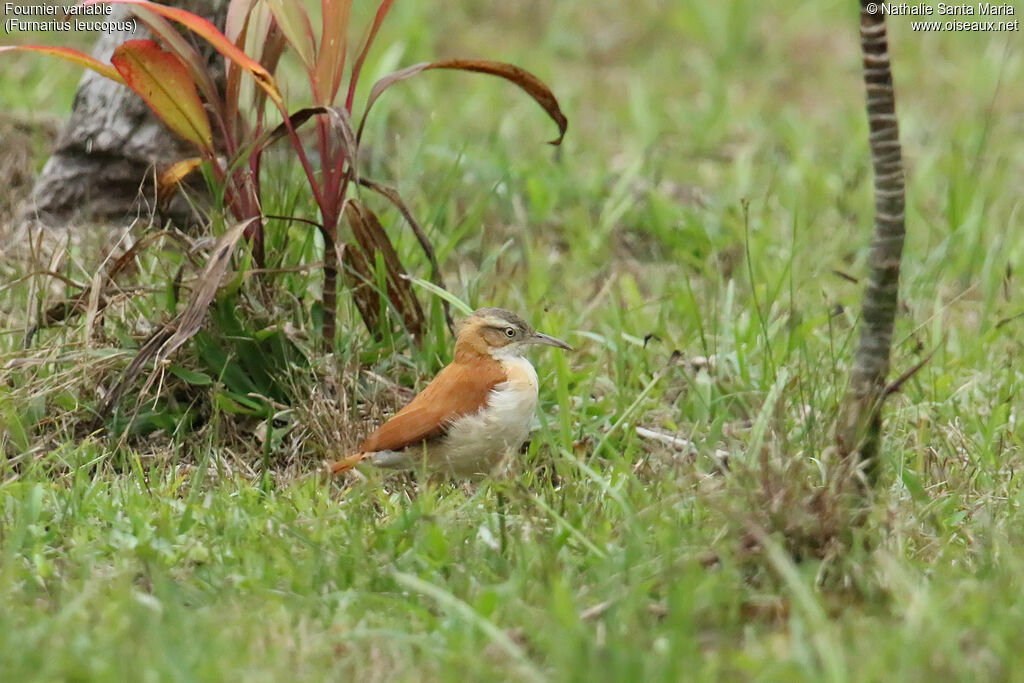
701, 239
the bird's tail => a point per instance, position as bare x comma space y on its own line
345, 464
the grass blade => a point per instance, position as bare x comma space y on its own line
460, 305
458, 607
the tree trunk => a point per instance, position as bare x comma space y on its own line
859, 430
103, 161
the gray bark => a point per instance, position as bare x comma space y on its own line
102, 166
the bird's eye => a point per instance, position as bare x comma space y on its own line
510, 332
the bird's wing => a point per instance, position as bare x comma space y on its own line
460, 389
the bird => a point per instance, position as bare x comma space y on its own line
474, 413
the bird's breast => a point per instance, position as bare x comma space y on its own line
476, 443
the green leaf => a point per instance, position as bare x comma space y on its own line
16, 428
236, 404
913, 483
199, 379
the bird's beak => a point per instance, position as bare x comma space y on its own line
538, 338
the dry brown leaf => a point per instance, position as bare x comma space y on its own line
371, 239
529, 83
187, 323
392, 196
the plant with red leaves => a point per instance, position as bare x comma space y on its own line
229, 130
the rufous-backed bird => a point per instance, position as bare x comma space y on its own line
474, 413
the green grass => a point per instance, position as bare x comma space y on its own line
606, 556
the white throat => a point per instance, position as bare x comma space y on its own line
508, 352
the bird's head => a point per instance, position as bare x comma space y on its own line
499, 333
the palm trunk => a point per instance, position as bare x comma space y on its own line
859, 427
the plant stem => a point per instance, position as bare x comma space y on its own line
330, 289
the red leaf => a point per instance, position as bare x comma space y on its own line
532, 85
330, 61
177, 44
70, 55
378, 19
237, 18
251, 26
218, 40
294, 22
163, 81
295, 121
